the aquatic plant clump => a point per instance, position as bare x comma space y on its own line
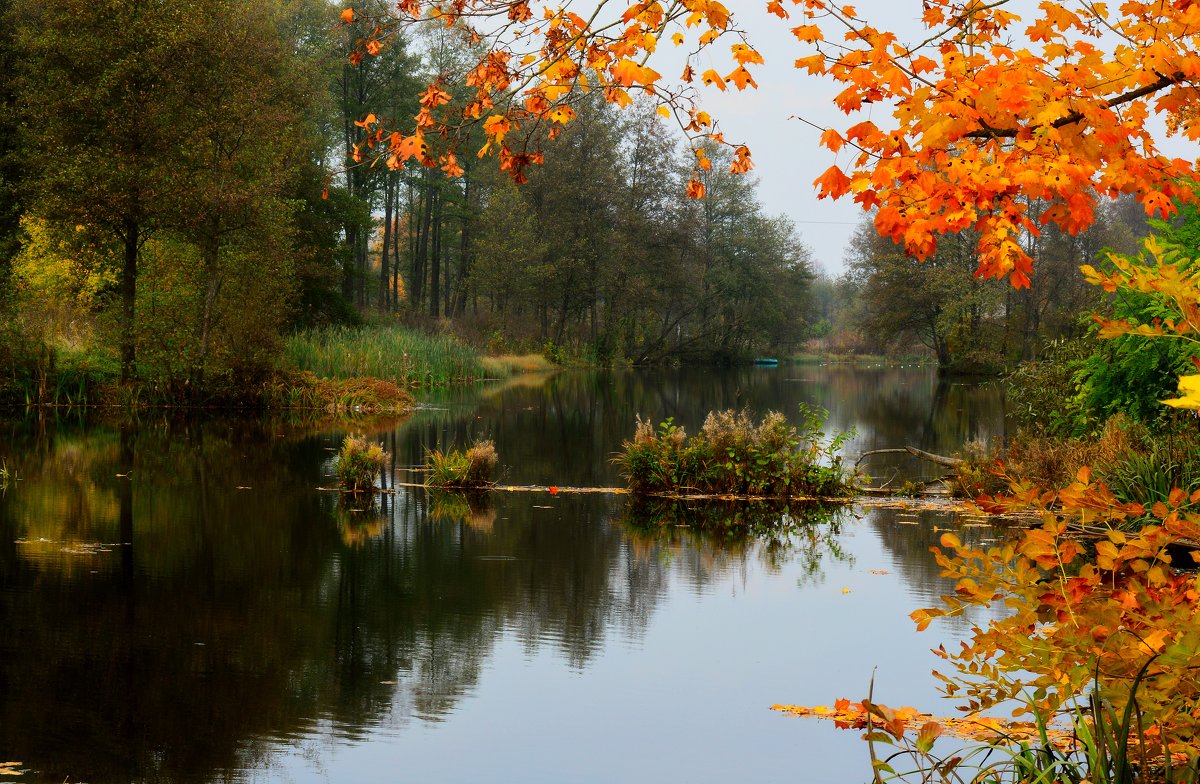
733, 456
456, 469
358, 463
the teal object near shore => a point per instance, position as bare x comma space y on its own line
768, 361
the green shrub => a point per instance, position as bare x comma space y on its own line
358, 463
1044, 394
473, 468
734, 456
1147, 476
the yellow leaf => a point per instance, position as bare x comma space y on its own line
712, 77
1189, 391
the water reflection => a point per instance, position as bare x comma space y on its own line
182, 603
566, 430
705, 538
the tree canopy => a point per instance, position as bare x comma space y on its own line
985, 111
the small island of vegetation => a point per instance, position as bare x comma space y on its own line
734, 456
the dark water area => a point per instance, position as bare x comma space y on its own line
181, 602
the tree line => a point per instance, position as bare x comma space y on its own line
181, 184
887, 302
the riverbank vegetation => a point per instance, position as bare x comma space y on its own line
404, 356
1116, 399
734, 456
889, 303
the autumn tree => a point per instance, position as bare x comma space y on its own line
986, 109
242, 146
101, 138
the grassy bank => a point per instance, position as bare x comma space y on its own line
335, 369
1139, 465
404, 356
860, 359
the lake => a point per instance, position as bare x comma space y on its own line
180, 601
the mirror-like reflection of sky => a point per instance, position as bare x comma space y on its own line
257, 629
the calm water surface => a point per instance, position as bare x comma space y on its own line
179, 602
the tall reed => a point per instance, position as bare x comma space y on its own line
389, 352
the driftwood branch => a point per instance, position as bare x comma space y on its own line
949, 462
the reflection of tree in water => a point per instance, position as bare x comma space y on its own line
136, 664
706, 539
237, 615
240, 615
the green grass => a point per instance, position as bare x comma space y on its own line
393, 353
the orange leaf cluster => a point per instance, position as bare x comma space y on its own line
1074, 613
990, 111
533, 66
899, 721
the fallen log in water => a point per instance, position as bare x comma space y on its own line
948, 462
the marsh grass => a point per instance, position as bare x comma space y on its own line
359, 463
337, 396
732, 455
394, 353
474, 468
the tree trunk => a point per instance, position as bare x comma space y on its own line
132, 237
384, 273
348, 265
435, 255
210, 251
464, 244
422, 249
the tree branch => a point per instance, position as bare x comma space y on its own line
988, 132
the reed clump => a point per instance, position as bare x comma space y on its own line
474, 468
358, 463
404, 356
734, 456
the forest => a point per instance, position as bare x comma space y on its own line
172, 209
